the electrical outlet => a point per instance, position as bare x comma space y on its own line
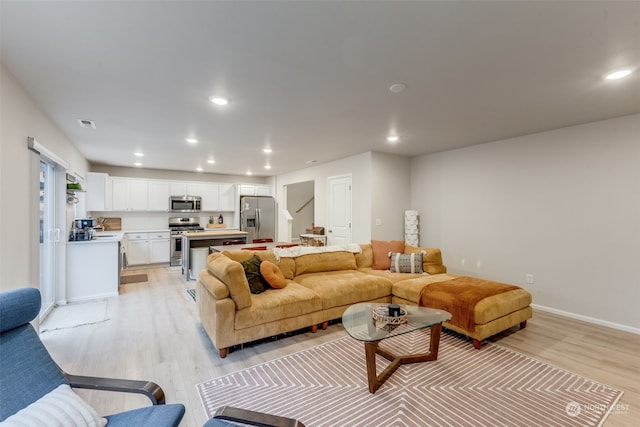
378, 221
530, 279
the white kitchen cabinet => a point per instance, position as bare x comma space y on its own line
179, 188
255, 190
227, 194
121, 194
210, 197
129, 194
218, 197
194, 189
98, 195
159, 195
139, 195
137, 248
159, 247
92, 270
148, 248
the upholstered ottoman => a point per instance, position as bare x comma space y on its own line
480, 308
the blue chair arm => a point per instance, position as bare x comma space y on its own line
245, 416
150, 389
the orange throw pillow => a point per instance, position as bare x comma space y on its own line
381, 260
272, 274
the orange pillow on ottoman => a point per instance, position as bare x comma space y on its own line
381, 250
272, 274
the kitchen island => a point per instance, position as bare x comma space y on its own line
93, 267
205, 239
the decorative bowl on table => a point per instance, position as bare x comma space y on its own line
383, 320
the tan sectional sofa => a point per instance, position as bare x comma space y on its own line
320, 287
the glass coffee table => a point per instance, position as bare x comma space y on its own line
358, 321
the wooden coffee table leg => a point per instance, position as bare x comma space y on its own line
371, 349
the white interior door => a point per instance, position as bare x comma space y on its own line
339, 210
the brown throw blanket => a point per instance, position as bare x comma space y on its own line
459, 297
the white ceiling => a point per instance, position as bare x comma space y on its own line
311, 79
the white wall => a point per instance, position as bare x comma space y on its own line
19, 175
359, 166
390, 183
562, 205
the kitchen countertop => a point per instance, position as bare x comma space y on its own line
101, 237
152, 230
219, 232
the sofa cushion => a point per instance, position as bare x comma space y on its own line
431, 261
257, 283
326, 261
286, 265
231, 273
393, 277
338, 288
406, 263
272, 275
410, 288
381, 250
365, 258
277, 304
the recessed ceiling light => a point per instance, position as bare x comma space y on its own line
267, 166
393, 138
620, 74
211, 161
137, 164
192, 140
199, 169
249, 173
267, 150
138, 154
218, 100
311, 161
397, 87
87, 123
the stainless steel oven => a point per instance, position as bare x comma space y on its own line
177, 226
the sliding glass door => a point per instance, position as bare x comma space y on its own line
49, 236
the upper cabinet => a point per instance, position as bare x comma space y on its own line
98, 189
121, 194
255, 190
130, 194
159, 192
218, 197
186, 189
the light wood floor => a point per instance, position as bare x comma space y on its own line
153, 333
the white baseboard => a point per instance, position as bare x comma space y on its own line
588, 319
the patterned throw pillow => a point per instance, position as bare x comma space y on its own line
257, 283
406, 263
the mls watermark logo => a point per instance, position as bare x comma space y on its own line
574, 409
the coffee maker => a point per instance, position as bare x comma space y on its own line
82, 229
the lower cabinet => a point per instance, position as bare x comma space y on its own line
159, 249
148, 248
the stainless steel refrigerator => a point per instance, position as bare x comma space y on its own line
258, 217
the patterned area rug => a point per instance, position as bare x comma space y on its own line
327, 386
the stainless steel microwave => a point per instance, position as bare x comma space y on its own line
185, 203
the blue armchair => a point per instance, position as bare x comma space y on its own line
28, 373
